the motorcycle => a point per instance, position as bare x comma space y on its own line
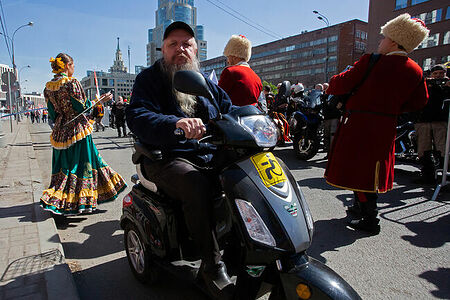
262, 221
305, 124
406, 141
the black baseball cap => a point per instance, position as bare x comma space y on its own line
178, 25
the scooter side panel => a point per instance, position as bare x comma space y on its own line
282, 199
237, 185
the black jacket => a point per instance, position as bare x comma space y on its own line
434, 111
153, 113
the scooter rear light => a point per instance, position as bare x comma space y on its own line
127, 200
255, 226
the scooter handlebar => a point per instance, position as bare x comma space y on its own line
180, 132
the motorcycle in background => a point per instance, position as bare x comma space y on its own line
406, 141
278, 110
305, 124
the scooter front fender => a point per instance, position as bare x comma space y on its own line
323, 282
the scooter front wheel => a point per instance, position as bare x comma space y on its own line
138, 256
305, 148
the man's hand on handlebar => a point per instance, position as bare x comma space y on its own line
193, 127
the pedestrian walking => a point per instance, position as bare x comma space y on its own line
80, 177
38, 116
119, 112
32, 115
98, 113
44, 116
362, 153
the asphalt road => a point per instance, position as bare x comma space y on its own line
409, 259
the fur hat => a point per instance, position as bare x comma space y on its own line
406, 32
239, 46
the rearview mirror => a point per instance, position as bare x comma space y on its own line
192, 83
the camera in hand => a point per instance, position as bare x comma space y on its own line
437, 81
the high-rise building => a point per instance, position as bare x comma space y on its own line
304, 57
436, 15
168, 12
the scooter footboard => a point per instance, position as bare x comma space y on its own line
314, 280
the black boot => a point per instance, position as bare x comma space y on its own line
217, 281
427, 170
369, 221
355, 209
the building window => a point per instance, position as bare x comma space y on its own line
414, 2
361, 34
111, 82
427, 63
104, 82
333, 38
431, 17
400, 4
360, 46
446, 38
431, 41
447, 15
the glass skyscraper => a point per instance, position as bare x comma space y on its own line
170, 11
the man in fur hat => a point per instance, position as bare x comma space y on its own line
362, 153
156, 109
239, 81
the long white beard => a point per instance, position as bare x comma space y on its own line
187, 102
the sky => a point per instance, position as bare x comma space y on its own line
88, 30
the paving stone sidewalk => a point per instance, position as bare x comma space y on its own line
32, 264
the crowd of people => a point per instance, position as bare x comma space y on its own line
359, 132
37, 115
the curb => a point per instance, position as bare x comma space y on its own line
59, 280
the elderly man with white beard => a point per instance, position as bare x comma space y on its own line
155, 111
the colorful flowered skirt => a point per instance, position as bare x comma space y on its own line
80, 180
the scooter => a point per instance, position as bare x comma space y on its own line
262, 221
305, 124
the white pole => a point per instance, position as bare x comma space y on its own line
446, 158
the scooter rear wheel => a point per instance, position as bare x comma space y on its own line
138, 256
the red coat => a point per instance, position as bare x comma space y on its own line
362, 154
241, 84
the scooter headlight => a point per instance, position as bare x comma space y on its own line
262, 128
256, 227
307, 211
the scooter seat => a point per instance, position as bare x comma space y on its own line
141, 151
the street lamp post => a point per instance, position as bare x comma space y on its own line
14, 61
20, 84
325, 20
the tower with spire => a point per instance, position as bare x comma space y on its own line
118, 66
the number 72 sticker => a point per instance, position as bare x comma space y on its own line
268, 168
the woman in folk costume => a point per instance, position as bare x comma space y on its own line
238, 80
362, 153
80, 177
